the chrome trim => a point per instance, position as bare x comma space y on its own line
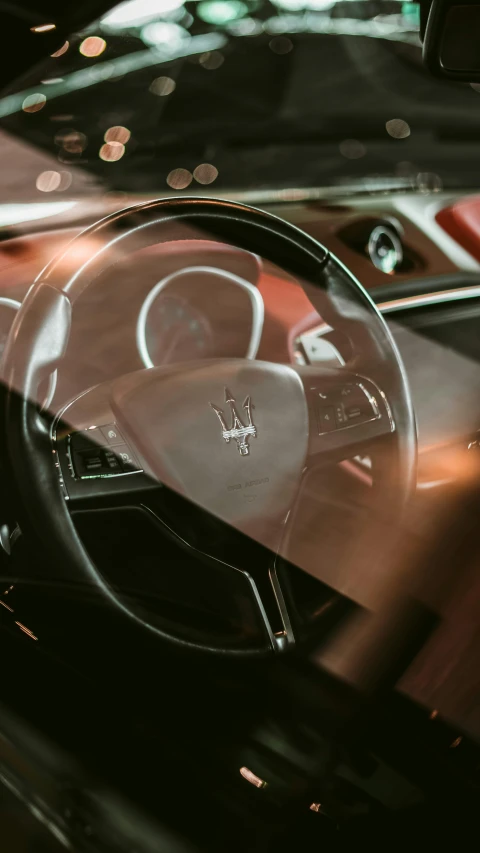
253, 292
396, 242
11, 303
287, 637
458, 293
407, 302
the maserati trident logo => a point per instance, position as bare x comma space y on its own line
238, 430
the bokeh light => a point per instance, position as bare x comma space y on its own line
162, 86
397, 128
179, 179
111, 152
61, 50
221, 11
42, 28
245, 27
92, 46
51, 180
164, 33
352, 149
429, 182
205, 173
71, 140
48, 181
133, 13
34, 103
118, 133
211, 60
281, 45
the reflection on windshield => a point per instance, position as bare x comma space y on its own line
245, 95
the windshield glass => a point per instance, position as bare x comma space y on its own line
246, 95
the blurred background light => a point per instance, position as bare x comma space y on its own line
43, 28
397, 128
34, 103
221, 11
352, 149
245, 27
121, 65
179, 179
48, 181
71, 140
211, 60
61, 50
118, 133
134, 13
51, 180
205, 173
162, 86
303, 5
164, 34
111, 152
281, 45
12, 214
92, 46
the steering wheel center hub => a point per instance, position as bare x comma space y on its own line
230, 435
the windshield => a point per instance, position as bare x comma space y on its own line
246, 95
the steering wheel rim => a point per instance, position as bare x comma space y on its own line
41, 330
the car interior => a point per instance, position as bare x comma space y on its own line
240, 425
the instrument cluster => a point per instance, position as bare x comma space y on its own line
199, 312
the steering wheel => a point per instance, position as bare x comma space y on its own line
201, 428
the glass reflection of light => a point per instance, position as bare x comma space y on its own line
136, 12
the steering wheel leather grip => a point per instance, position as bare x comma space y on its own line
40, 334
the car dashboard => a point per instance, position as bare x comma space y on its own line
196, 299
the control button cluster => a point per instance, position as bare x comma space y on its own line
101, 452
343, 406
